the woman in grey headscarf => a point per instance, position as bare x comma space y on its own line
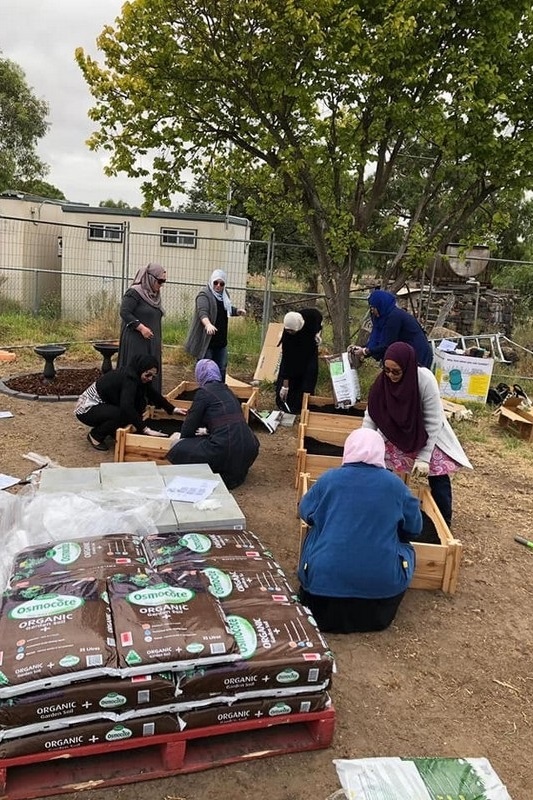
208, 334
141, 313
214, 431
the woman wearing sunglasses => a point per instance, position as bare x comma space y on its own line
208, 334
405, 406
141, 313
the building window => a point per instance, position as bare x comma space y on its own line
97, 231
176, 237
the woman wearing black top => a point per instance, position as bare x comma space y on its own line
119, 398
208, 334
298, 369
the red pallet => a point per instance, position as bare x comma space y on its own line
102, 765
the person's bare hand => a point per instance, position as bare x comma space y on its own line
146, 332
181, 411
210, 329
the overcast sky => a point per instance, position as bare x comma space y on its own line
41, 36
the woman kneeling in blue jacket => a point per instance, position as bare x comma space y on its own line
356, 562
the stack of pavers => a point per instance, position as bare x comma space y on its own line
116, 637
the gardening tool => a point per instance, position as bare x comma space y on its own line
525, 542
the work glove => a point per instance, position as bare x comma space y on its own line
318, 338
149, 432
420, 469
202, 432
181, 411
283, 393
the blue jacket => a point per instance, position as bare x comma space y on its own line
353, 548
400, 326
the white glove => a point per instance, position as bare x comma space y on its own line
180, 411
202, 432
283, 393
420, 468
241, 312
174, 437
149, 432
318, 338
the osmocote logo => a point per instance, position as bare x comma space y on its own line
160, 595
46, 605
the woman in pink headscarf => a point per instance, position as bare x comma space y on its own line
141, 313
356, 562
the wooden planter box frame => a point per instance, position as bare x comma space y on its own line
437, 565
327, 427
131, 446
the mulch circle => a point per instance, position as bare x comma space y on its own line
67, 383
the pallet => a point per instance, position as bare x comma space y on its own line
437, 565
104, 765
131, 446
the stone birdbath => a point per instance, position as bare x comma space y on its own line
49, 352
107, 350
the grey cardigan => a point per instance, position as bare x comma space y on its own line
198, 339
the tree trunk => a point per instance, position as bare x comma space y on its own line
337, 291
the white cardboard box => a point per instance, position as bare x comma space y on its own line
463, 377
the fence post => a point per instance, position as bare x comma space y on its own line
125, 259
267, 297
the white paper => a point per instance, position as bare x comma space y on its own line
5, 414
447, 346
7, 480
190, 490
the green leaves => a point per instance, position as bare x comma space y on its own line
344, 117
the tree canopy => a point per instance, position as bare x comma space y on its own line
353, 119
22, 124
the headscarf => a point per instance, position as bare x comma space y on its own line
293, 321
384, 302
207, 371
221, 294
396, 407
146, 285
364, 446
143, 362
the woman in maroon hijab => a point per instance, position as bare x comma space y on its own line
404, 404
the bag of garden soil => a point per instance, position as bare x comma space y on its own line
164, 549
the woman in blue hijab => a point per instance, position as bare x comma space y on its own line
392, 324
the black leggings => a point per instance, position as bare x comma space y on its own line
441, 490
104, 419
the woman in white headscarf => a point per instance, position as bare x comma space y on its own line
298, 369
141, 313
356, 562
208, 334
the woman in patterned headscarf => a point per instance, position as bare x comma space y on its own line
141, 313
214, 431
208, 334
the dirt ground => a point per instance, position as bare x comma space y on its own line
453, 676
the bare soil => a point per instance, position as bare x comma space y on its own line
453, 676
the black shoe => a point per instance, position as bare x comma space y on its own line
97, 445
